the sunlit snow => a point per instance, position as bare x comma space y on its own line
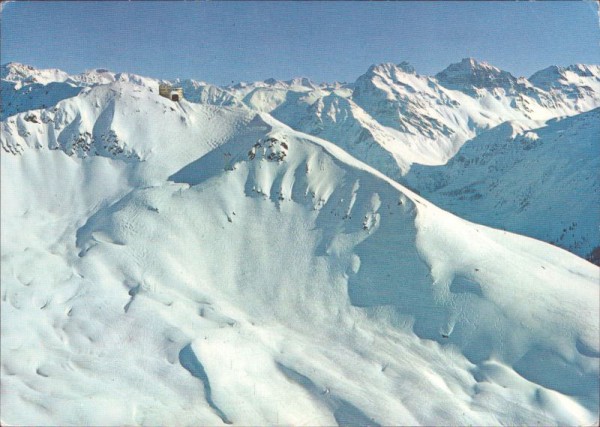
248, 255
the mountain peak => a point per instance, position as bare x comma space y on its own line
302, 81
473, 64
270, 81
556, 76
15, 65
585, 70
22, 74
406, 67
470, 74
389, 69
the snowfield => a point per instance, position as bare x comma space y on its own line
216, 262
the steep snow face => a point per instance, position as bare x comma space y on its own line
33, 96
434, 121
404, 101
26, 88
542, 183
339, 119
233, 265
333, 115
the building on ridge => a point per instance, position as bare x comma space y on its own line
170, 92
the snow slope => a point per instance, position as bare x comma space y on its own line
33, 96
543, 182
176, 263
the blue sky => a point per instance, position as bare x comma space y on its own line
221, 42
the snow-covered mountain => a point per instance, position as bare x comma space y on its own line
190, 263
393, 115
470, 75
579, 81
467, 98
21, 75
543, 183
399, 118
391, 118
26, 88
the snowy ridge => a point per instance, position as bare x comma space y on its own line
409, 118
204, 93
523, 181
22, 75
26, 88
423, 107
574, 75
418, 119
232, 265
125, 121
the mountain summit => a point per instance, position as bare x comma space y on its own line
469, 74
